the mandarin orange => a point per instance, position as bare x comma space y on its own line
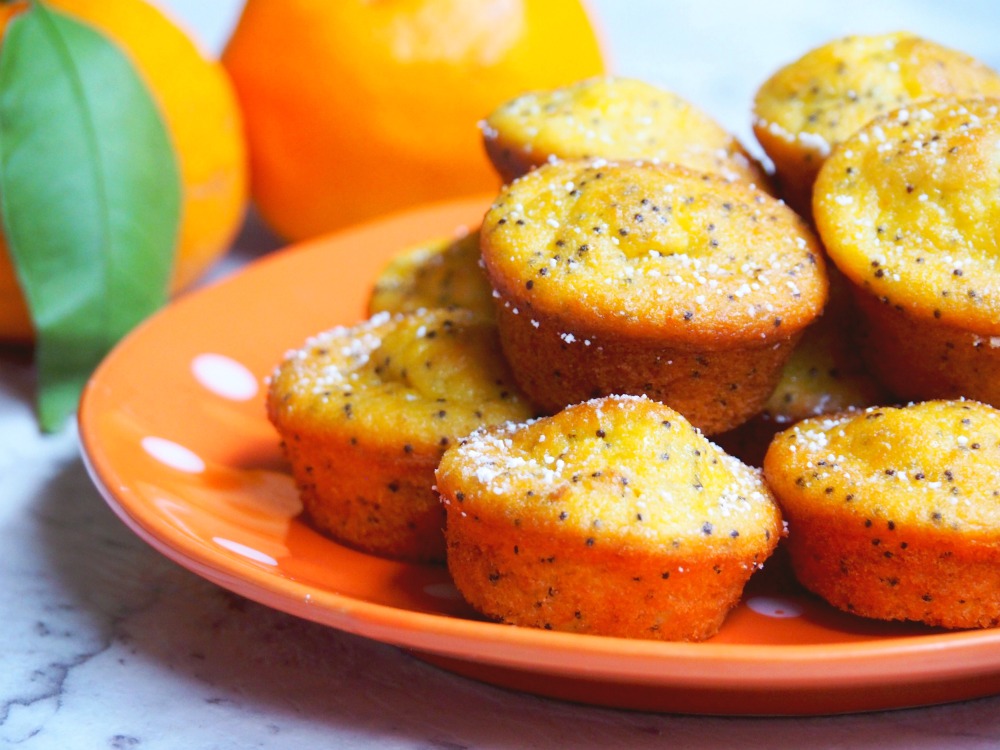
355, 108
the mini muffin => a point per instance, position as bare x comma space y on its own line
440, 273
907, 209
656, 280
614, 118
365, 413
809, 106
824, 375
614, 517
894, 512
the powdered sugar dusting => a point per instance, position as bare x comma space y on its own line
623, 466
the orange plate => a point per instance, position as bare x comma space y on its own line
175, 436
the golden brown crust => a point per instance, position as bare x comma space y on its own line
369, 497
906, 209
714, 389
893, 512
917, 361
365, 413
596, 592
634, 278
614, 118
613, 517
811, 105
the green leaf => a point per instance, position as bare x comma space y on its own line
90, 196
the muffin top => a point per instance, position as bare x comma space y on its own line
652, 250
622, 470
422, 378
909, 208
615, 118
822, 98
440, 273
935, 463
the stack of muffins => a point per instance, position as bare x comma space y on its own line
530, 402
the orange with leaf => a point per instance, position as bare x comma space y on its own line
122, 177
202, 116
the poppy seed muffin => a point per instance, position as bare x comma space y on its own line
614, 517
439, 273
614, 118
894, 512
908, 210
365, 412
825, 375
634, 278
810, 105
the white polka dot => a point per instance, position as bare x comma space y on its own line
442, 591
224, 376
248, 552
774, 606
172, 454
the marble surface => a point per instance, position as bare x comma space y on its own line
106, 644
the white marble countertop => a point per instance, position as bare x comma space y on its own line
106, 644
